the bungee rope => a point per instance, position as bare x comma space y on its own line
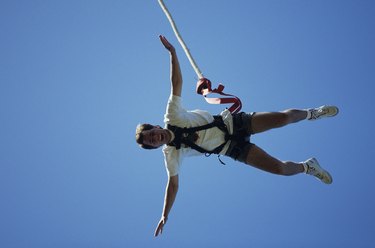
180, 40
203, 84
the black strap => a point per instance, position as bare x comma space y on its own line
182, 135
194, 146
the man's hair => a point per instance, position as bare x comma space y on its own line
139, 135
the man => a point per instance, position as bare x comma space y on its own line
228, 136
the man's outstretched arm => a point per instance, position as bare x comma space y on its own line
170, 196
176, 76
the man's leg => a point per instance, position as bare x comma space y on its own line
260, 159
263, 121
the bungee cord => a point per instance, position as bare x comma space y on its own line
203, 84
180, 40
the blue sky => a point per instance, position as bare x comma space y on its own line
76, 77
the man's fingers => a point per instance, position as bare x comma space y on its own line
165, 42
163, 39
156, 232
159, 230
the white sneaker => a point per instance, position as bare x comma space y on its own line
323, 111
314, 169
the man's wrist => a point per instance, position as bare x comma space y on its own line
165, 218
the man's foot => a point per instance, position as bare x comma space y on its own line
321, 112
314, 169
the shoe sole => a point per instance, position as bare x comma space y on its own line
327, 178
336, 110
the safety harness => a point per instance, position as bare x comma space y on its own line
185, 135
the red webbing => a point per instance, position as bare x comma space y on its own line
204, 88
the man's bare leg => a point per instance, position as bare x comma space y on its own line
264, 121
258, 158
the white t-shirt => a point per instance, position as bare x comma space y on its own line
208, 139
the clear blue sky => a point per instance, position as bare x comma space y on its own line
76, 77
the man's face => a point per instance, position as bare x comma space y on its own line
155, 137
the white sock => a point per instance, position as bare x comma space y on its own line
305, 168
309, 113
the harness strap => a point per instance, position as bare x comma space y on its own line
204, 88
183, 135
194, 146
218, 122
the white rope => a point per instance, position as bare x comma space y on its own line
179, 38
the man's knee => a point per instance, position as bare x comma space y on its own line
292, 115
284, 118
279, 169
285, 169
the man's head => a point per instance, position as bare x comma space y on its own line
151, 137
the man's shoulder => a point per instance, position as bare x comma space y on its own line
174, 98
167, 150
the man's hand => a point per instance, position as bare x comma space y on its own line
159, 228
166, 44
176, 77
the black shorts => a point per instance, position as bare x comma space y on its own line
242, 129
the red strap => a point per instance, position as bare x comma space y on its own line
204, 88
